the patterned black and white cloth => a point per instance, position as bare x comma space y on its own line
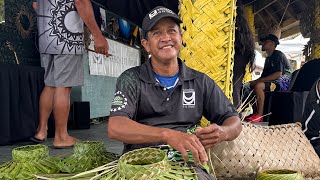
60, 27
311, 117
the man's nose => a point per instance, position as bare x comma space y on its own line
165, 36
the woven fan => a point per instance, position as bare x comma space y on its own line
142, 164
87, 155
265, 147
27, 161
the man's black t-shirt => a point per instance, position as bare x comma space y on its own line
141, 98
275, 63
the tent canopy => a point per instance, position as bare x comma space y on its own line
285, 13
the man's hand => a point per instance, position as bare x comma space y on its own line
101, 45
211, 135
85, 10
182, 142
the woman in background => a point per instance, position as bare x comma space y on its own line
244, 54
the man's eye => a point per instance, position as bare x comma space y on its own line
172, 30
156, 33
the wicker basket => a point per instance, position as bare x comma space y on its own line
87, 155
28, 161
151, 162
279, 174
265, 147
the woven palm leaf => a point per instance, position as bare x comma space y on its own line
28, 161
279, 174
140, 164
208, 38
264, 147
87, 155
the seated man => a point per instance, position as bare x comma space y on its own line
311, 117
276, 75
156, 102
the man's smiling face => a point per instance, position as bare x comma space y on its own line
163, 40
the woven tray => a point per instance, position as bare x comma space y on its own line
264, 147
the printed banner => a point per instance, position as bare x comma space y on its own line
123, 57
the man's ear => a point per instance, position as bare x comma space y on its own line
145, 44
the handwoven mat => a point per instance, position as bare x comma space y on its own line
264, 147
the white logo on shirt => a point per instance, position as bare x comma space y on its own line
189, 98
119, 102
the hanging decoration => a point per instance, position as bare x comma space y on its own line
25, 22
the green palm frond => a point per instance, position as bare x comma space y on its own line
28, 161
145, 163
87, 155
279, 174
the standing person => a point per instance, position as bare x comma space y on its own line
244, 54
61, 45
276, 74
156, 102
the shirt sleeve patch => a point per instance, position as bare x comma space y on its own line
119, 102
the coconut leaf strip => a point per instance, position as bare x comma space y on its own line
10, 168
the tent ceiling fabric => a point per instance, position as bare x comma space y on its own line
267, 12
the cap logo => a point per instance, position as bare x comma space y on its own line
155, 12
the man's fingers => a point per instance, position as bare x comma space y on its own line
184, 154
102, 50
206, 130
203, 155
208, 136
195, 153
209, 143
183, 142
201, 152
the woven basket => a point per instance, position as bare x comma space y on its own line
87, 155
279, 174
30, 153
141, 164
265, 147
137, 163
28, 161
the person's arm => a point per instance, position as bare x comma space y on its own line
128, 131
213, 134
272, 77
85, 10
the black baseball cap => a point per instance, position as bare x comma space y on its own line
270, 37
155, 15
